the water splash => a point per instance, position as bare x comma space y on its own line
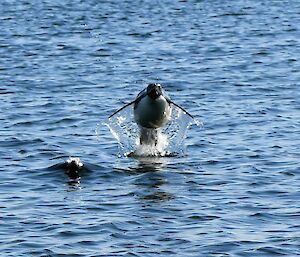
170, 138
76, 161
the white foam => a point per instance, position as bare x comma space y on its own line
77, 161
153, 150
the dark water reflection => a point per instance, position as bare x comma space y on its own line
148, 178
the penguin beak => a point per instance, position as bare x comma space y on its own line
155, 92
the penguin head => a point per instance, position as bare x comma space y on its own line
73, 168
154, 91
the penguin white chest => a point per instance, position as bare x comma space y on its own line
152, 113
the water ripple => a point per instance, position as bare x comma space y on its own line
66, 65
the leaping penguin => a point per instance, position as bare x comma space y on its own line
152, 110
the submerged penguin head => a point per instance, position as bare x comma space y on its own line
73, 168
154, 91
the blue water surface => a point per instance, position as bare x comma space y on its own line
65, 66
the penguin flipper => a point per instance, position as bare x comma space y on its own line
185, 111
126, 105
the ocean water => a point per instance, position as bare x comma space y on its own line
65, 66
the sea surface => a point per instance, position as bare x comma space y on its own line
66, 65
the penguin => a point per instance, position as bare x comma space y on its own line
73, 167
152, 110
